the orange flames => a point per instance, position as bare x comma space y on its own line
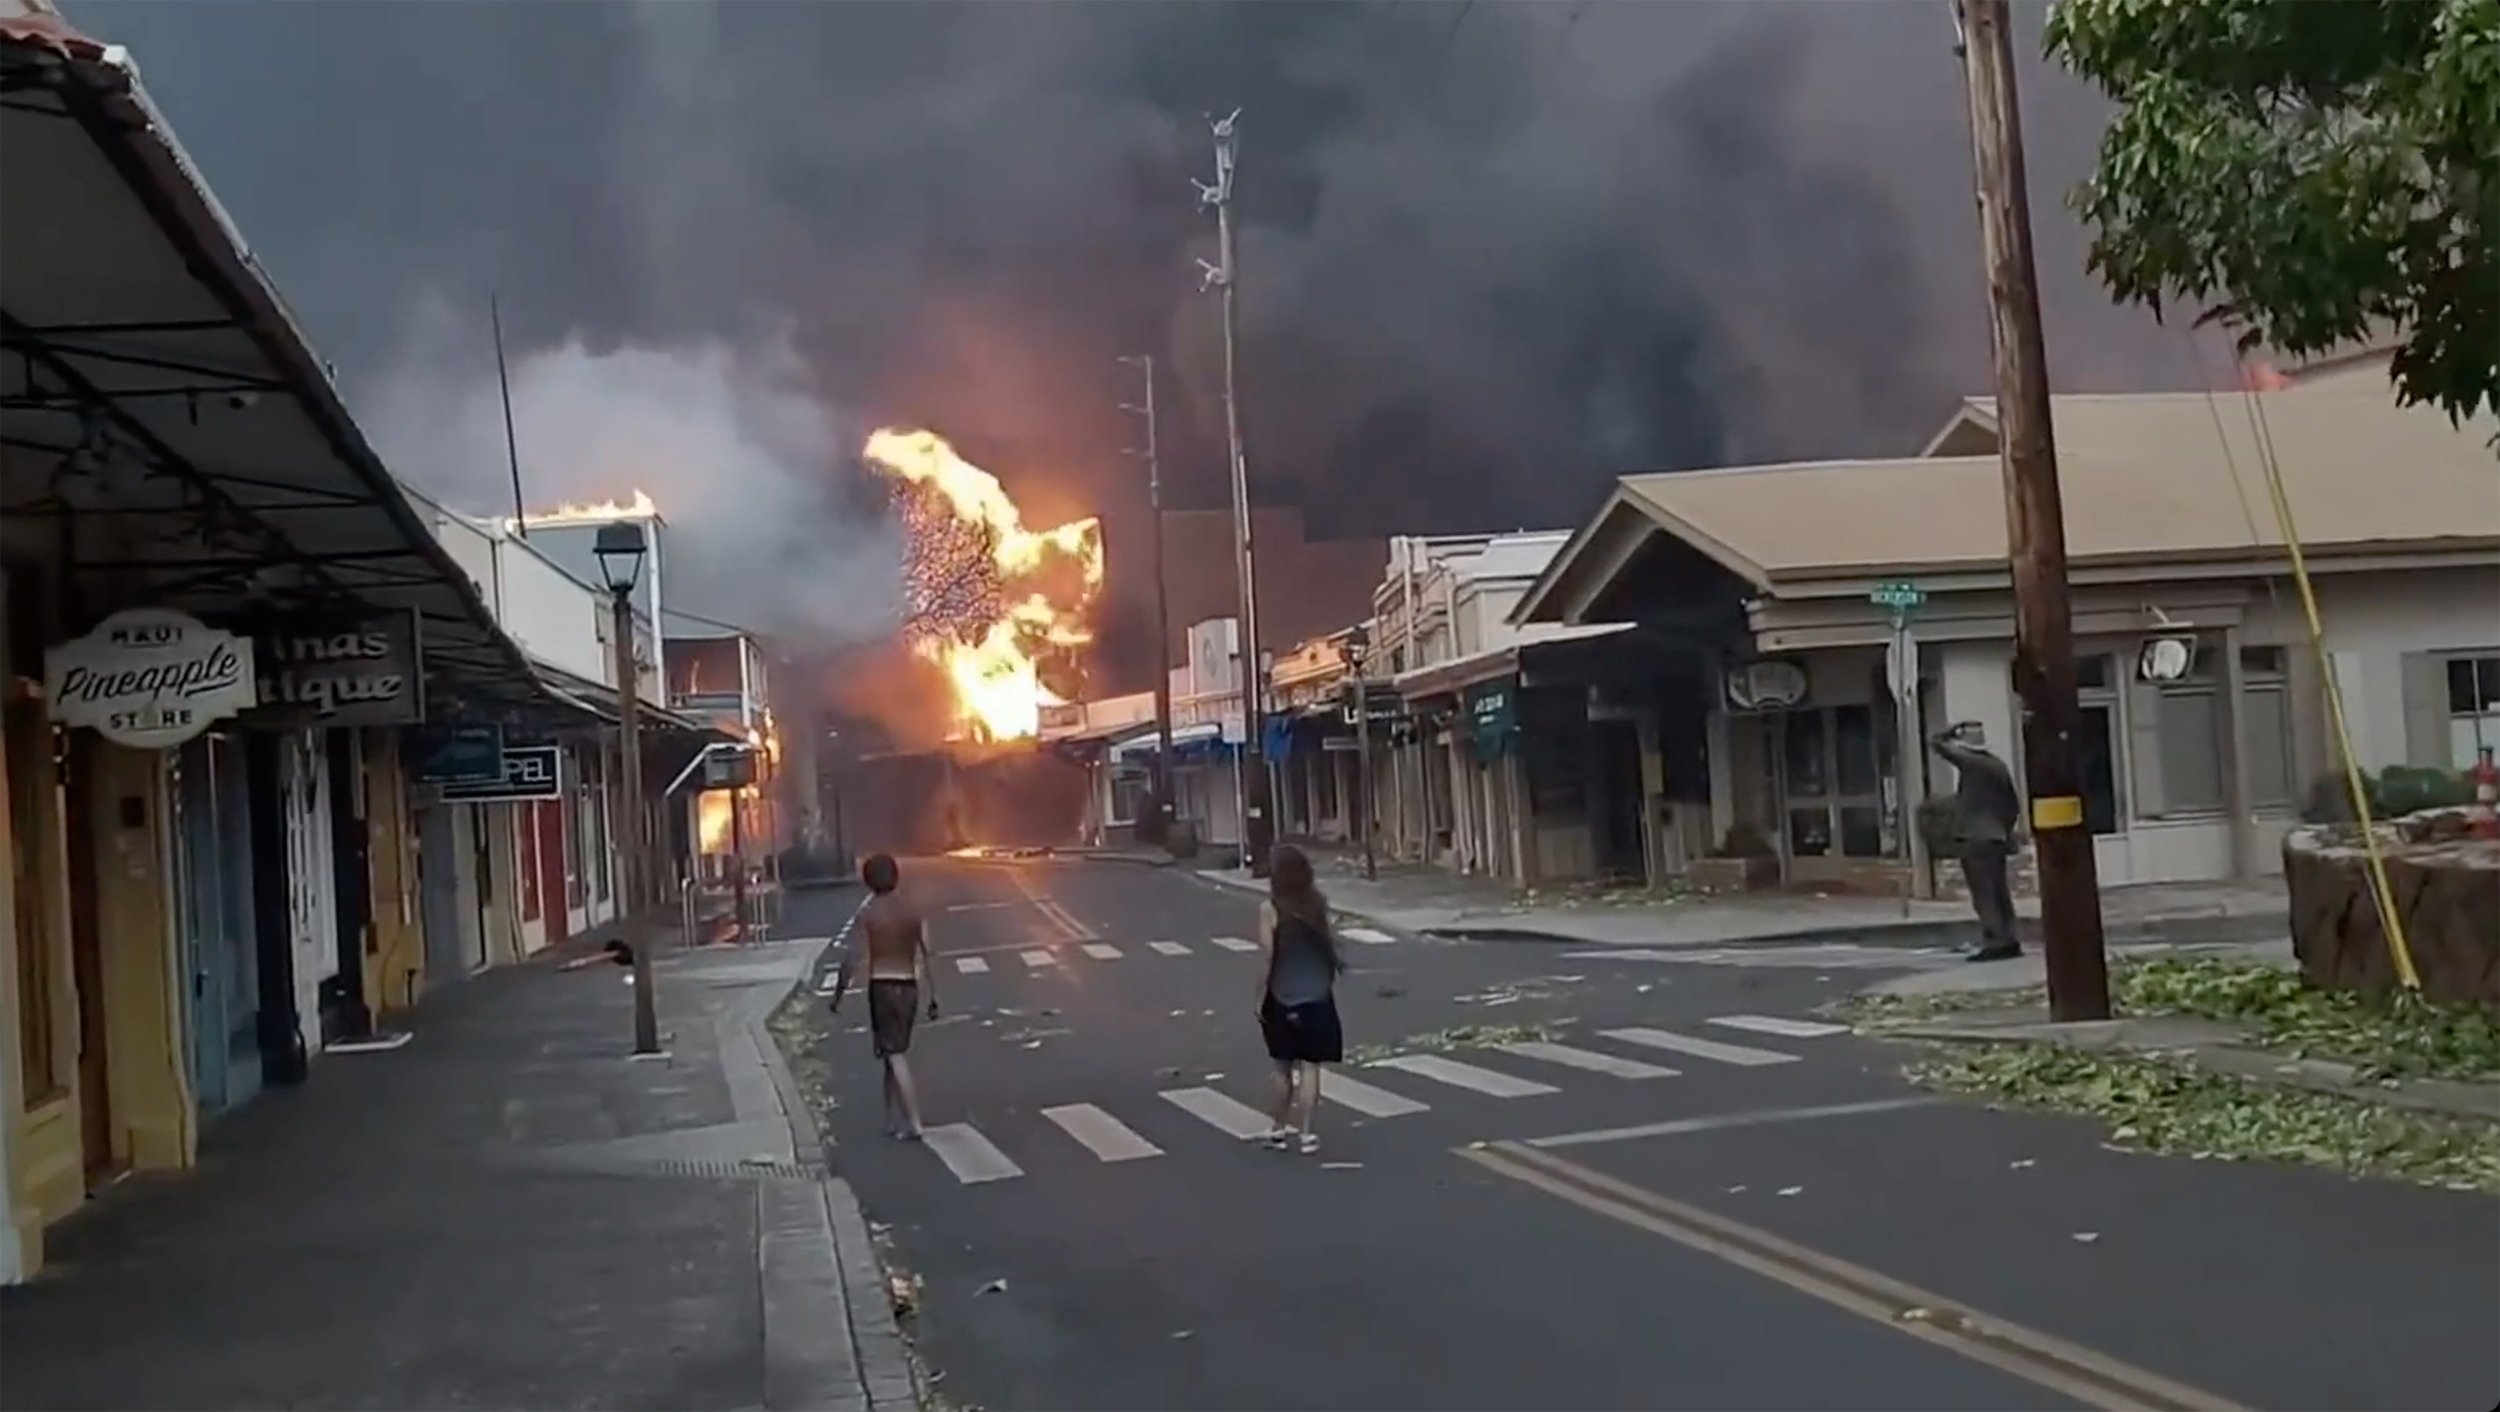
579, 512
990, 584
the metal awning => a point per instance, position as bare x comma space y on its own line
600, 702
155, 391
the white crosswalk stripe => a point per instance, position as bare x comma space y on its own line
970, 1156
1590, 1059
1369, 936
1225, 1115
1774, 1025
972, 965
1450, 1071
1363, 1098
1102, 951
1105, 1136
1038, 958
1234, 943
1169, 948
1700, 1048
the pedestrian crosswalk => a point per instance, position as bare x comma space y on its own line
1037, 958
1397, 1086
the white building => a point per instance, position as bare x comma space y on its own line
2170, 533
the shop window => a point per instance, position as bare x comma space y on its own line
1836, 763
2192, 746
2097, 757
1129, 790
2473, 685
2266, 710
2473, 708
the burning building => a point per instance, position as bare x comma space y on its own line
942, 747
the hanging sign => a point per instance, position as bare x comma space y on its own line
351, 671
529, 772
149, 678
1492, 716
456, 755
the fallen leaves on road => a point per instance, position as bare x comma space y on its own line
2086, 1237
2020, 1163
2155, 1106
996, 1286
1791, 1190
1458, 1037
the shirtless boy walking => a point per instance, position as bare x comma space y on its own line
897, 941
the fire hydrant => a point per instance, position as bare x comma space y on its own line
2486, 796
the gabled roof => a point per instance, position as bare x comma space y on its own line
2145, 479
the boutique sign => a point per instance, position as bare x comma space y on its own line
353, 671
149, 678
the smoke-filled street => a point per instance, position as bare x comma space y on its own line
1343, 705
1552, 1178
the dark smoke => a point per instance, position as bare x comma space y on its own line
1490, 258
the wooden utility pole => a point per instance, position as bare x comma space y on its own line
2035, 530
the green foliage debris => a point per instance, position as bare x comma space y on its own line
2160, 1107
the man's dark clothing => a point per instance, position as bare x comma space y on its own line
1988, 807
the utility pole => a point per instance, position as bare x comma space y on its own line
511, 443
1358, 654
1256, 826
1145, 362
2035, 531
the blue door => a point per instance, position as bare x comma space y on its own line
213, 870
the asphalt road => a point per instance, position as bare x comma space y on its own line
1705, 1197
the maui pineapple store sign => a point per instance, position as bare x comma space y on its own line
149, 678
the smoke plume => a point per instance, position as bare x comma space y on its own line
1492, 254
732, 444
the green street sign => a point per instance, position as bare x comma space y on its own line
1899, 597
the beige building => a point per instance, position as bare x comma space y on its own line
1814, 728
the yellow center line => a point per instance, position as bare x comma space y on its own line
2089, 1377
1056, 915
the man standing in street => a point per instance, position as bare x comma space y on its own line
1988, 808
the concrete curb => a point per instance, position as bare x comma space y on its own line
816, 1251
1908, 935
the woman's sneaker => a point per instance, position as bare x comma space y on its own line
1310, 1143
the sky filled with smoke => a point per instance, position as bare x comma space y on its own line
1493, 254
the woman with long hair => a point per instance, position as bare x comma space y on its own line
1297, 996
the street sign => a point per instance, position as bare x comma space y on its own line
1900, 596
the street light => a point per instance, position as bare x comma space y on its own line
620, 548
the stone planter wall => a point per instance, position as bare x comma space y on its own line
2447, 893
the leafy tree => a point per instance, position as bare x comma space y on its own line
2308, 171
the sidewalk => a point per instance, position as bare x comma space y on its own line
505, 1212
1415, 898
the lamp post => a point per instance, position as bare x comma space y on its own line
620, 547
1357, 652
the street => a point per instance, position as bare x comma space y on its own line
1564, 1177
